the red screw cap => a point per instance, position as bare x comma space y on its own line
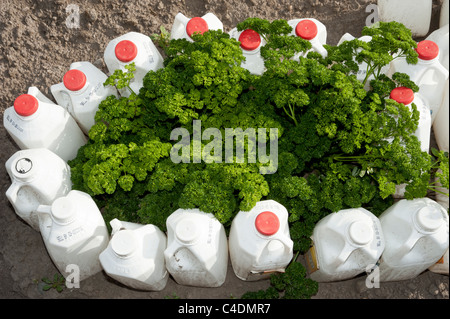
250, 39
402, 95
267, 223
427, 50
196, 25
306, 29
126, 51
74, 80
26, 105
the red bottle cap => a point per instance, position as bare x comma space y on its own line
196, 25
402, 95
427, 50
250, 39
126, 51
267, 223
74, 80
306, 29
26, 105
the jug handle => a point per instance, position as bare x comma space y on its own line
318, 47
12, 192
180, 23
409, 244
343, 256
57, 90
44, 213
286, 241
39, 95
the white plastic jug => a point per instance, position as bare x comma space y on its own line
259, 241
81, 92
441, 266
416, 236
38, 177
184, 27
251, 43
441, 38
312, 30
441, 122
197, 249
133, 47
345, 244
428, 74
36, 122
74, 233
135, 256
407, 97
414, 14
443, 19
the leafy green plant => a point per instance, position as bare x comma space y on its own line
58, 282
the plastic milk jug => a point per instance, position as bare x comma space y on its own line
135, 256
312, 30
74, 233
416, 235
443, 19
441, 122
428, 74
251, 43
414, 14
441, 266
259, 241
441, 38
133, 47
35, 122
81, 92
38, 177
407, 97
184, 27
197, 248
345, 244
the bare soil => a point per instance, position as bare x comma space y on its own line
37, 47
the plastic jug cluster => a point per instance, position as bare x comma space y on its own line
416, 235
184, 27
128, 48
251, 43
345, 244
81, 92
312, 30
135, 256
74, 233
428, 74
197, 249
36, 122
414, 14
38, 177
259, 241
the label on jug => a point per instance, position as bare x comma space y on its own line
312, 264
24, 165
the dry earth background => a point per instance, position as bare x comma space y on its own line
37, 47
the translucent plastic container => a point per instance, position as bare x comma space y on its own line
81, 92
38, 177
345, 244
251, 43
407, 97
416, 236
441, 122
441, 38
135, 256
74, 233
429, 74
443, 19
197, 249
36, 122
184, 27
414, 14
259, 241
312, 30
128, 48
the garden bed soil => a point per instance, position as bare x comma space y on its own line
37, 47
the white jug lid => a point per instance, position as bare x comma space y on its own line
186, 230
429, 218
74, 80
63, 210
360, 232
22, 168
123, 243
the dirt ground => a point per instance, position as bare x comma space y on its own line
37, 47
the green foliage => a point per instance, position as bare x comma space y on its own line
58, 282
